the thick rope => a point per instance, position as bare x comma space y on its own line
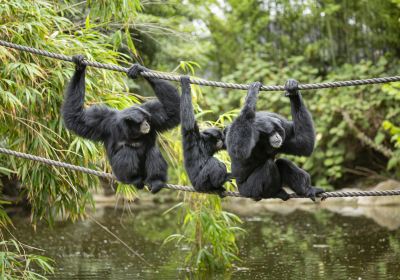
164, 76
56, 163
187, 188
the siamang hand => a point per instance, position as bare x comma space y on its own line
135, 70
256, 85
291, 88
79, 62
185, 81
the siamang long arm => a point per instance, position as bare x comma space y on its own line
189, 123
300, 133
91, 123
242, 135
165, 112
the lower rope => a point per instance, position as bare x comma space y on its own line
186, 188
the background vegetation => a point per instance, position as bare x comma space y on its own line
231, 40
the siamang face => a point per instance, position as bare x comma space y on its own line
277, 136
214, 138
272, 128
275, 140
135, 122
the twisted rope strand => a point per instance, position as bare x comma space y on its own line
56, 163
165, 76
186, 188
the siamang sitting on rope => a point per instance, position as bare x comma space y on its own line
254, 139
205, 171
129, 135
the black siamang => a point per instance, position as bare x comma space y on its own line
205, 171
129, 135
254, 139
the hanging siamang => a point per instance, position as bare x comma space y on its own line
205, 171
129, 135
254, 139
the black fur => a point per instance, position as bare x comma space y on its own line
205, 171
129, 135
254, 139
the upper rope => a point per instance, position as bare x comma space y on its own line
165, 76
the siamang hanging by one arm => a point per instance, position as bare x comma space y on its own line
129, 135
253, 163
300, 133
205, 171
254, 140
300, 141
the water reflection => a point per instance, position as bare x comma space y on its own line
311, 243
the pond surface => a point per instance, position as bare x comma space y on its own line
298, 245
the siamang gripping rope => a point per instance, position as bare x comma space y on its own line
205, 171
254, 139
129, 135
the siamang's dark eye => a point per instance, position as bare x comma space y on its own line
130, 121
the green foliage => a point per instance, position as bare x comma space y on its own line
338, 148
394, 130
168, 33
113, 17
209, 231
104, 10
327, 33
30, 101
4, 219
16, 263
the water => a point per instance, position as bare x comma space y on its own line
311, 244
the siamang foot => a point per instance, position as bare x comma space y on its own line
135, 70
291, 88
140, 186
282, 194
220, 192
138, 183
79, 61
156, 186
312, 192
